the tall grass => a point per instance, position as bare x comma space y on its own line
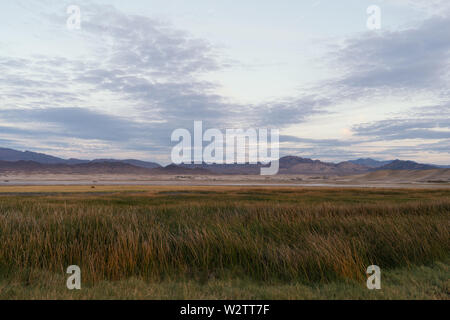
157, 237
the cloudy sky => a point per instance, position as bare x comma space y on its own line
136, 70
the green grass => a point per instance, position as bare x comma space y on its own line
425, 282
230, 243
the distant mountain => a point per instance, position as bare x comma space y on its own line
371, 163
288, 165
348, 167
82, 168
291, 161
91, 167
14, 155
440, 166
137, 163
406, 165
18, 161
226, 169
298, 165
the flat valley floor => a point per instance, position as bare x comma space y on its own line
224, 242
437, 178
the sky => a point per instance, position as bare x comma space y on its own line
136, 70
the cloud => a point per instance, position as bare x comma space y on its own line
425, 123
317, 142
145, 78
411, 59
156, 66
142, 43
74, 122
431, 7
91, 131
144, 70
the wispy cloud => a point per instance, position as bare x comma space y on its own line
407, 61
144, 78
148, 67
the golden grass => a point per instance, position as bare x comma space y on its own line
201, 234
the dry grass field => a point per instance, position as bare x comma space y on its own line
169, 242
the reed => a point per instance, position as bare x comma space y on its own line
277, 235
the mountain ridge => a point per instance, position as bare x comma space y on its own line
372, 163
28, 161
15, 155
406, 165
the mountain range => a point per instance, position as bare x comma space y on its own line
371, 163
14, 155
32, 162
